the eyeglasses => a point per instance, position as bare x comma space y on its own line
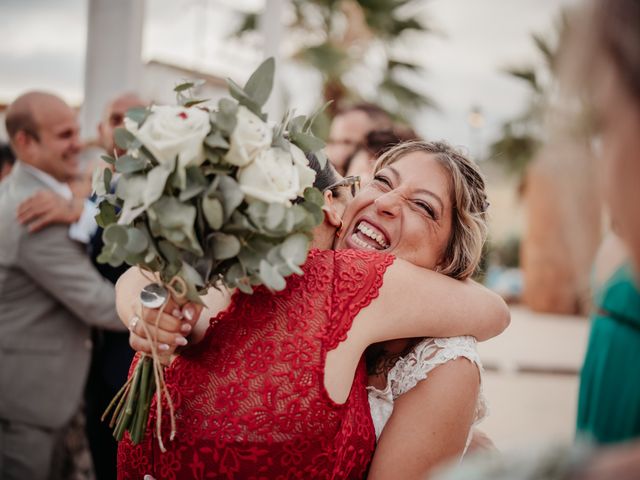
352, 181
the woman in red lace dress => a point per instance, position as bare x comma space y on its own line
276, 388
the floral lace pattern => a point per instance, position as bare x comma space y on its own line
415, 367
250, 398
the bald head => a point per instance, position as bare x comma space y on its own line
113, 118
44, 133
31, 110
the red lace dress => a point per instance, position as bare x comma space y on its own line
250, 398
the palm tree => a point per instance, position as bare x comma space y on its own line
523, 135
338, 35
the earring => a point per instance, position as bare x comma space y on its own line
339, 231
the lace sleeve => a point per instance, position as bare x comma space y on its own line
358, 276
427, 355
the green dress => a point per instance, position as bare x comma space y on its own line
609, 397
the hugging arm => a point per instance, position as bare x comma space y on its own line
416, 302
429, 424
174, 324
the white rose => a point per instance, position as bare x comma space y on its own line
306, 174
251, 136
273, 177
172, 131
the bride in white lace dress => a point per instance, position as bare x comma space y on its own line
426, 394
415, 366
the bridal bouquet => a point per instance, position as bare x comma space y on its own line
206, 197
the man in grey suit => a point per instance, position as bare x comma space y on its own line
50, 294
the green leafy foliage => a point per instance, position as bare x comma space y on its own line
194, 221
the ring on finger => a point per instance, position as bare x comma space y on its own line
133, 323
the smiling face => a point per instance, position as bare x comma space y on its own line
406, 210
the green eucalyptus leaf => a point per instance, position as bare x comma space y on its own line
138, 114
191, 275
109, 159
280, 142
107, 214
170, 253
156, 182
213, 212
194, 102
196, 182
295, 249
243, 99
112, 254
183, 87
306, 128
296, 124
225, 118
260, 84
236, 90
232, 195
216, 140
235, 273
274, 215
244, 286
315, 210
129, 164
130, 189
115, 233
225, 246
107, 176
271, 277
137, 241
307, 142
257, 212
123, 137
313, 195
176, 221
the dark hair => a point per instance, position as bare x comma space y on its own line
325, 177
6, 155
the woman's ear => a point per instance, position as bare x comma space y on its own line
332, 215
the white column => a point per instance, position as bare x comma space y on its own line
113, 64
271, 28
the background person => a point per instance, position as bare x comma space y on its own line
349, 129
50, 295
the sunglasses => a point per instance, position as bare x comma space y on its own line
353, 182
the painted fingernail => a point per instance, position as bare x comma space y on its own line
188, 313
177, 313
181, 341
185, 328
163, 347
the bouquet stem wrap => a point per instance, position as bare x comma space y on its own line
131, 404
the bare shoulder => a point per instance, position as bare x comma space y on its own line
611, 255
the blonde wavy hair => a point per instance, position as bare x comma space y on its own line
468, 199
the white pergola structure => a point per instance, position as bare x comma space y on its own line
114, 47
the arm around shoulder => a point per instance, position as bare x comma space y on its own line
416, 302
62, 267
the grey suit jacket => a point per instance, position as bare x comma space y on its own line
50, 295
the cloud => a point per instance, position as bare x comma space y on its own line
57, 73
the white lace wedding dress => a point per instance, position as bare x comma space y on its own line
415, 367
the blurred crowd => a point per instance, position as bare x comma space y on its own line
65, 353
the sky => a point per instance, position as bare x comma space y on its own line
43, 46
